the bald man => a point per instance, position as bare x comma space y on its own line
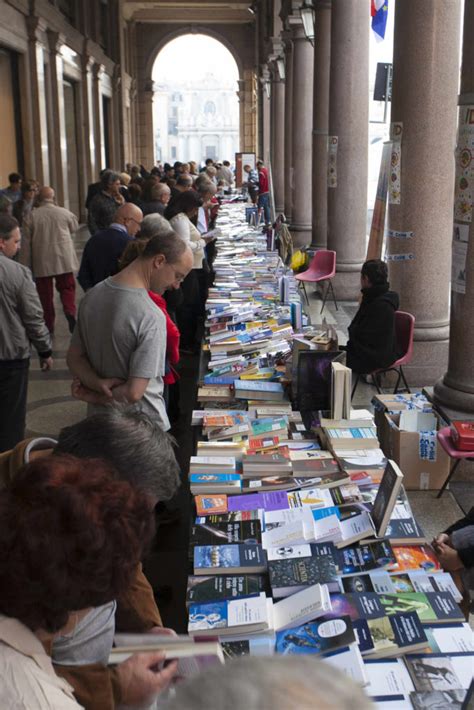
48, 250
102, 252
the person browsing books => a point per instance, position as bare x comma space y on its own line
372, 340
455, 550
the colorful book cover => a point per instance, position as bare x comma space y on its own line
390, 635
234, 517
226, 614
363, 605
302, 572
221, 557
313, 467
210, 478
416, 557
356, 559
210, 505
315, 637
431, 607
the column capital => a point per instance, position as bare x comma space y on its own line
55, 41
34, 26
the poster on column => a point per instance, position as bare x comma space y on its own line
333, 142
458, 267
242, 159
375, 248
464, 189
395, 189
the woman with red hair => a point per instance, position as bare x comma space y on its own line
71, 539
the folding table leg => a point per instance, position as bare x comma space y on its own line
448, 478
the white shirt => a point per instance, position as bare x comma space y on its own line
28, 678
185, 229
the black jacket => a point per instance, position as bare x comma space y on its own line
372, 342
101, 256
466, 554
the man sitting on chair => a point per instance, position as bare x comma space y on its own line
372, 341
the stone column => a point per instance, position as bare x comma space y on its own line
302, 136
456, 389
86, 89
349, 122
241, 97
55, 40
278, 142
288, 169
322, 60
424, 96
97, 125
38, 102
145, 149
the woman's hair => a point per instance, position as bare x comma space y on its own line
151, 191
185, 202
108, 177
72, 537
134, 192
132, 251
376, 271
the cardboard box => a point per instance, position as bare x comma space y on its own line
390, 404
413, 445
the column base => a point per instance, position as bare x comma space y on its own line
301, 234
346, 285
429, 362
451, 398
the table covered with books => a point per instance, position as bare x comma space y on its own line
304, 541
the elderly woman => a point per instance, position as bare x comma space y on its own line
182, 214
71, 536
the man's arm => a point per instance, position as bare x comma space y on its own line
136, 607
31, 314
84, 275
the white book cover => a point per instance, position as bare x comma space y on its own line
287, 534
355, 528
288, 551
253, 610
274, 518
388, 677
213, 461
312, 497
327, 529
453, 638
349, 661
301, 607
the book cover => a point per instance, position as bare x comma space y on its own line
234, 517
386, 497
431, 607
248, 531
221, 559
311, 549
316, 467
224, 615
356, 559
287, 576
416, 557
438, 700
390, 635
347, 494
432, 673
202, 589
315, 637
210, 505
362, 605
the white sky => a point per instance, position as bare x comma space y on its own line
191, 57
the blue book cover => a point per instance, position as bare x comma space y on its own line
364, 605
226, 557
211, 615
320, 513
315, 637
253, 385
213, 477
220, 380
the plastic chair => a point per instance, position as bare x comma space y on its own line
446, 441
404, 332
321, 268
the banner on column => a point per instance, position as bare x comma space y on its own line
332, 160
396, 132
375, 247
458, 267
464, 190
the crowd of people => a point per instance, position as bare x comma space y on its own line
77, 512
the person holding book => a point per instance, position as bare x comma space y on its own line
72, 536
372, 340
455, 550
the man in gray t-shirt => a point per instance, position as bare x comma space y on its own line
118, 348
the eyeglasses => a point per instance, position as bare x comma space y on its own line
178, 277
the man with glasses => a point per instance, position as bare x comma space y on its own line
104, 249
118, 348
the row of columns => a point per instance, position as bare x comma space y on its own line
322, 110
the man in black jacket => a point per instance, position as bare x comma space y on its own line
372, 341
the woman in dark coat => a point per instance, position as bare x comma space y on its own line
372, 341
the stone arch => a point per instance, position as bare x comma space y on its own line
191, 30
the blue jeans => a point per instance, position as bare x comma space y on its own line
264, 202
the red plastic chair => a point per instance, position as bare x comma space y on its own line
445, 439
321, 268
404, 332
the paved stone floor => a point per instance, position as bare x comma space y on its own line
51, 407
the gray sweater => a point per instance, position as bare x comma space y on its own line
21, 314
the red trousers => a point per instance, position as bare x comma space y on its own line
66, 287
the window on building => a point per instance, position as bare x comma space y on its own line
173, 151
104, 28
209, 107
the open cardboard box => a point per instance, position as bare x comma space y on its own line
390, 404
414, 446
